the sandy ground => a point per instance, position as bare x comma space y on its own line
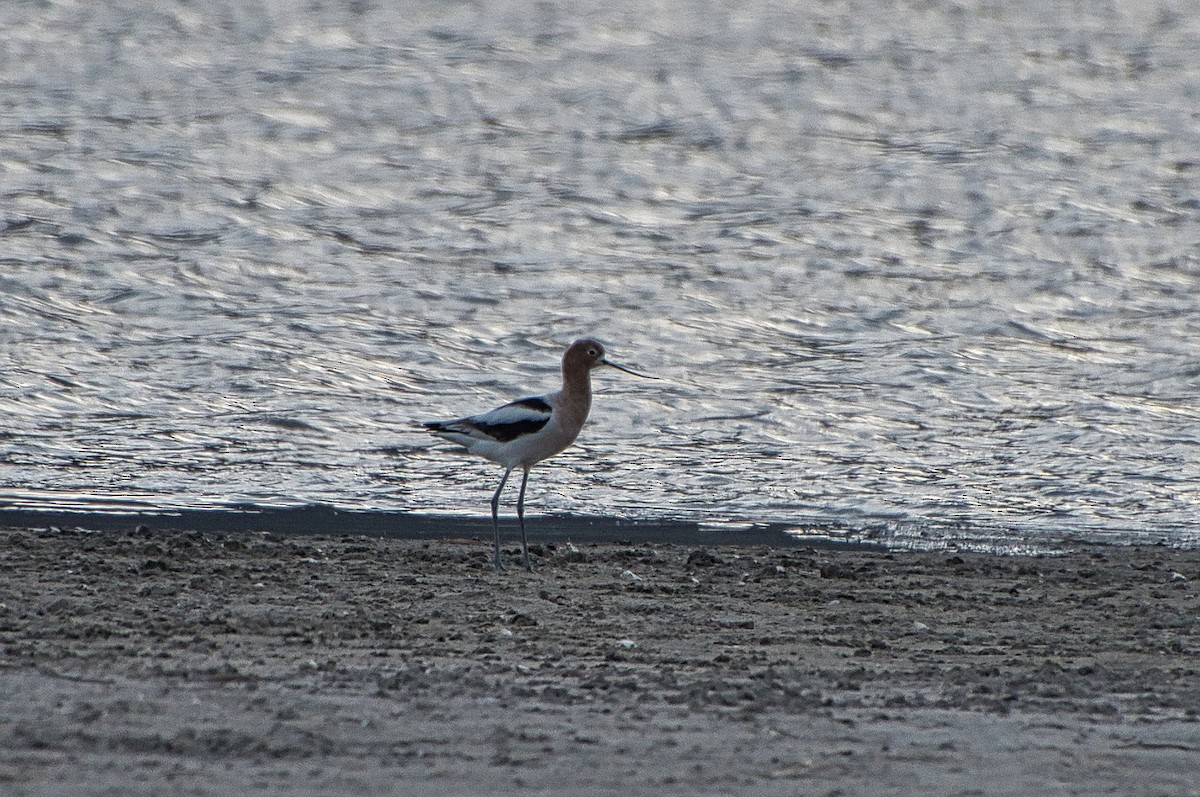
169, 662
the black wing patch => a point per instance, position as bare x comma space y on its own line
511, 421
501, 425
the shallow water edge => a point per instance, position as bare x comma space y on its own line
563, 529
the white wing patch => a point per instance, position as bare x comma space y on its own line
502, 425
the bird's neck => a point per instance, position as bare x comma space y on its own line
577, 391
577, 381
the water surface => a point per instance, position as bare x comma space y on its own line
925, 272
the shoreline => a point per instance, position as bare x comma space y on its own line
324, 520
209, 660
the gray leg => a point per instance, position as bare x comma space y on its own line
496, 517
521, 517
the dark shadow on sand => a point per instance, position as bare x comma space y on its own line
327, 520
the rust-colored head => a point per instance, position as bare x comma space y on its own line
588, 353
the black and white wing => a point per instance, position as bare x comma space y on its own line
502, 425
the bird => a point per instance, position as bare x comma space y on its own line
526, 431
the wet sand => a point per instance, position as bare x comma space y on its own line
202, 663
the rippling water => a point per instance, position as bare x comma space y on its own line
931, 270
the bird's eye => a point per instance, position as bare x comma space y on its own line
592, 353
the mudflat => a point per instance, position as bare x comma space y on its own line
181, 662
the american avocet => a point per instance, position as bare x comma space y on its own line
523, 433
